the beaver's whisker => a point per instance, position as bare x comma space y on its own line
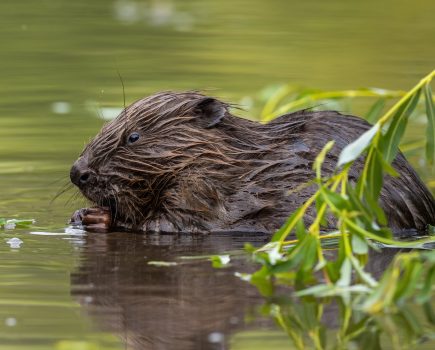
65, 188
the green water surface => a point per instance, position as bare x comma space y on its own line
59, 64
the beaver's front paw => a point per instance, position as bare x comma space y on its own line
95, 219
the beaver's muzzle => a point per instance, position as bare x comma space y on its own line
80, 173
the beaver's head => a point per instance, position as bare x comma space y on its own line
137, 157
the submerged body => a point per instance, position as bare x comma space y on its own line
181, 162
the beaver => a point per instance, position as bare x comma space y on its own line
182, 162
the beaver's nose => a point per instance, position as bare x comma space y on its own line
80, 173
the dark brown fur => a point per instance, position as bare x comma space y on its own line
196, 167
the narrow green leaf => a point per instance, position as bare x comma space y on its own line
358, 205
353, 150
374, 178
387, 167
365, 276
430, 131
220, 261
310, 253
300, 229
302, 254
274, 255
409, 279
375, 111
291, 221
317, 290
319, 203
428, 311
335, 200
395, 131
261, 279
359, 244
345, 274
376, 210
21, 222
409, 322
317, 165
426, 292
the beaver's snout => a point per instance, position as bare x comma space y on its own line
80, 174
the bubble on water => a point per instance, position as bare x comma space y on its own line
60, 107
14, 242
74, 231
126, 11
183, 22
11, 322
10, 225
216, 337
109, 113
161, 13
234, 320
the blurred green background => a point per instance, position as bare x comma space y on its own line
59, 64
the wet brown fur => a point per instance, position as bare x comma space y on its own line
196, 167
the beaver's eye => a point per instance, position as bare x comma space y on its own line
133, 138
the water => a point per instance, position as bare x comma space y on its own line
59, 71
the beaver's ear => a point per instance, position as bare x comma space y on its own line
210, 111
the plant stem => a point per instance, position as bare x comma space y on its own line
426, 80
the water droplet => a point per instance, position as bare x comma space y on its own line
11, 322
216, 337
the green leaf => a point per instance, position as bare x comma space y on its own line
309, 252
375, 175
387, 167
428, 311
375, 111
334, 200
301, 231
390, 141
220, 261
409, 279
274, 255
359, 244
319, 203
353, 150
291, 221
409, 323
426, 292
376, 210
430, 130
345, 274
317, 165
21, 222
365, 276
261, 279
317, 290
304, 254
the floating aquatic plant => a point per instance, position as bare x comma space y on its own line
10, 224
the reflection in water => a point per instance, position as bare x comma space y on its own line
187, 306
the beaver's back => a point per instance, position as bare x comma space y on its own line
405, 199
